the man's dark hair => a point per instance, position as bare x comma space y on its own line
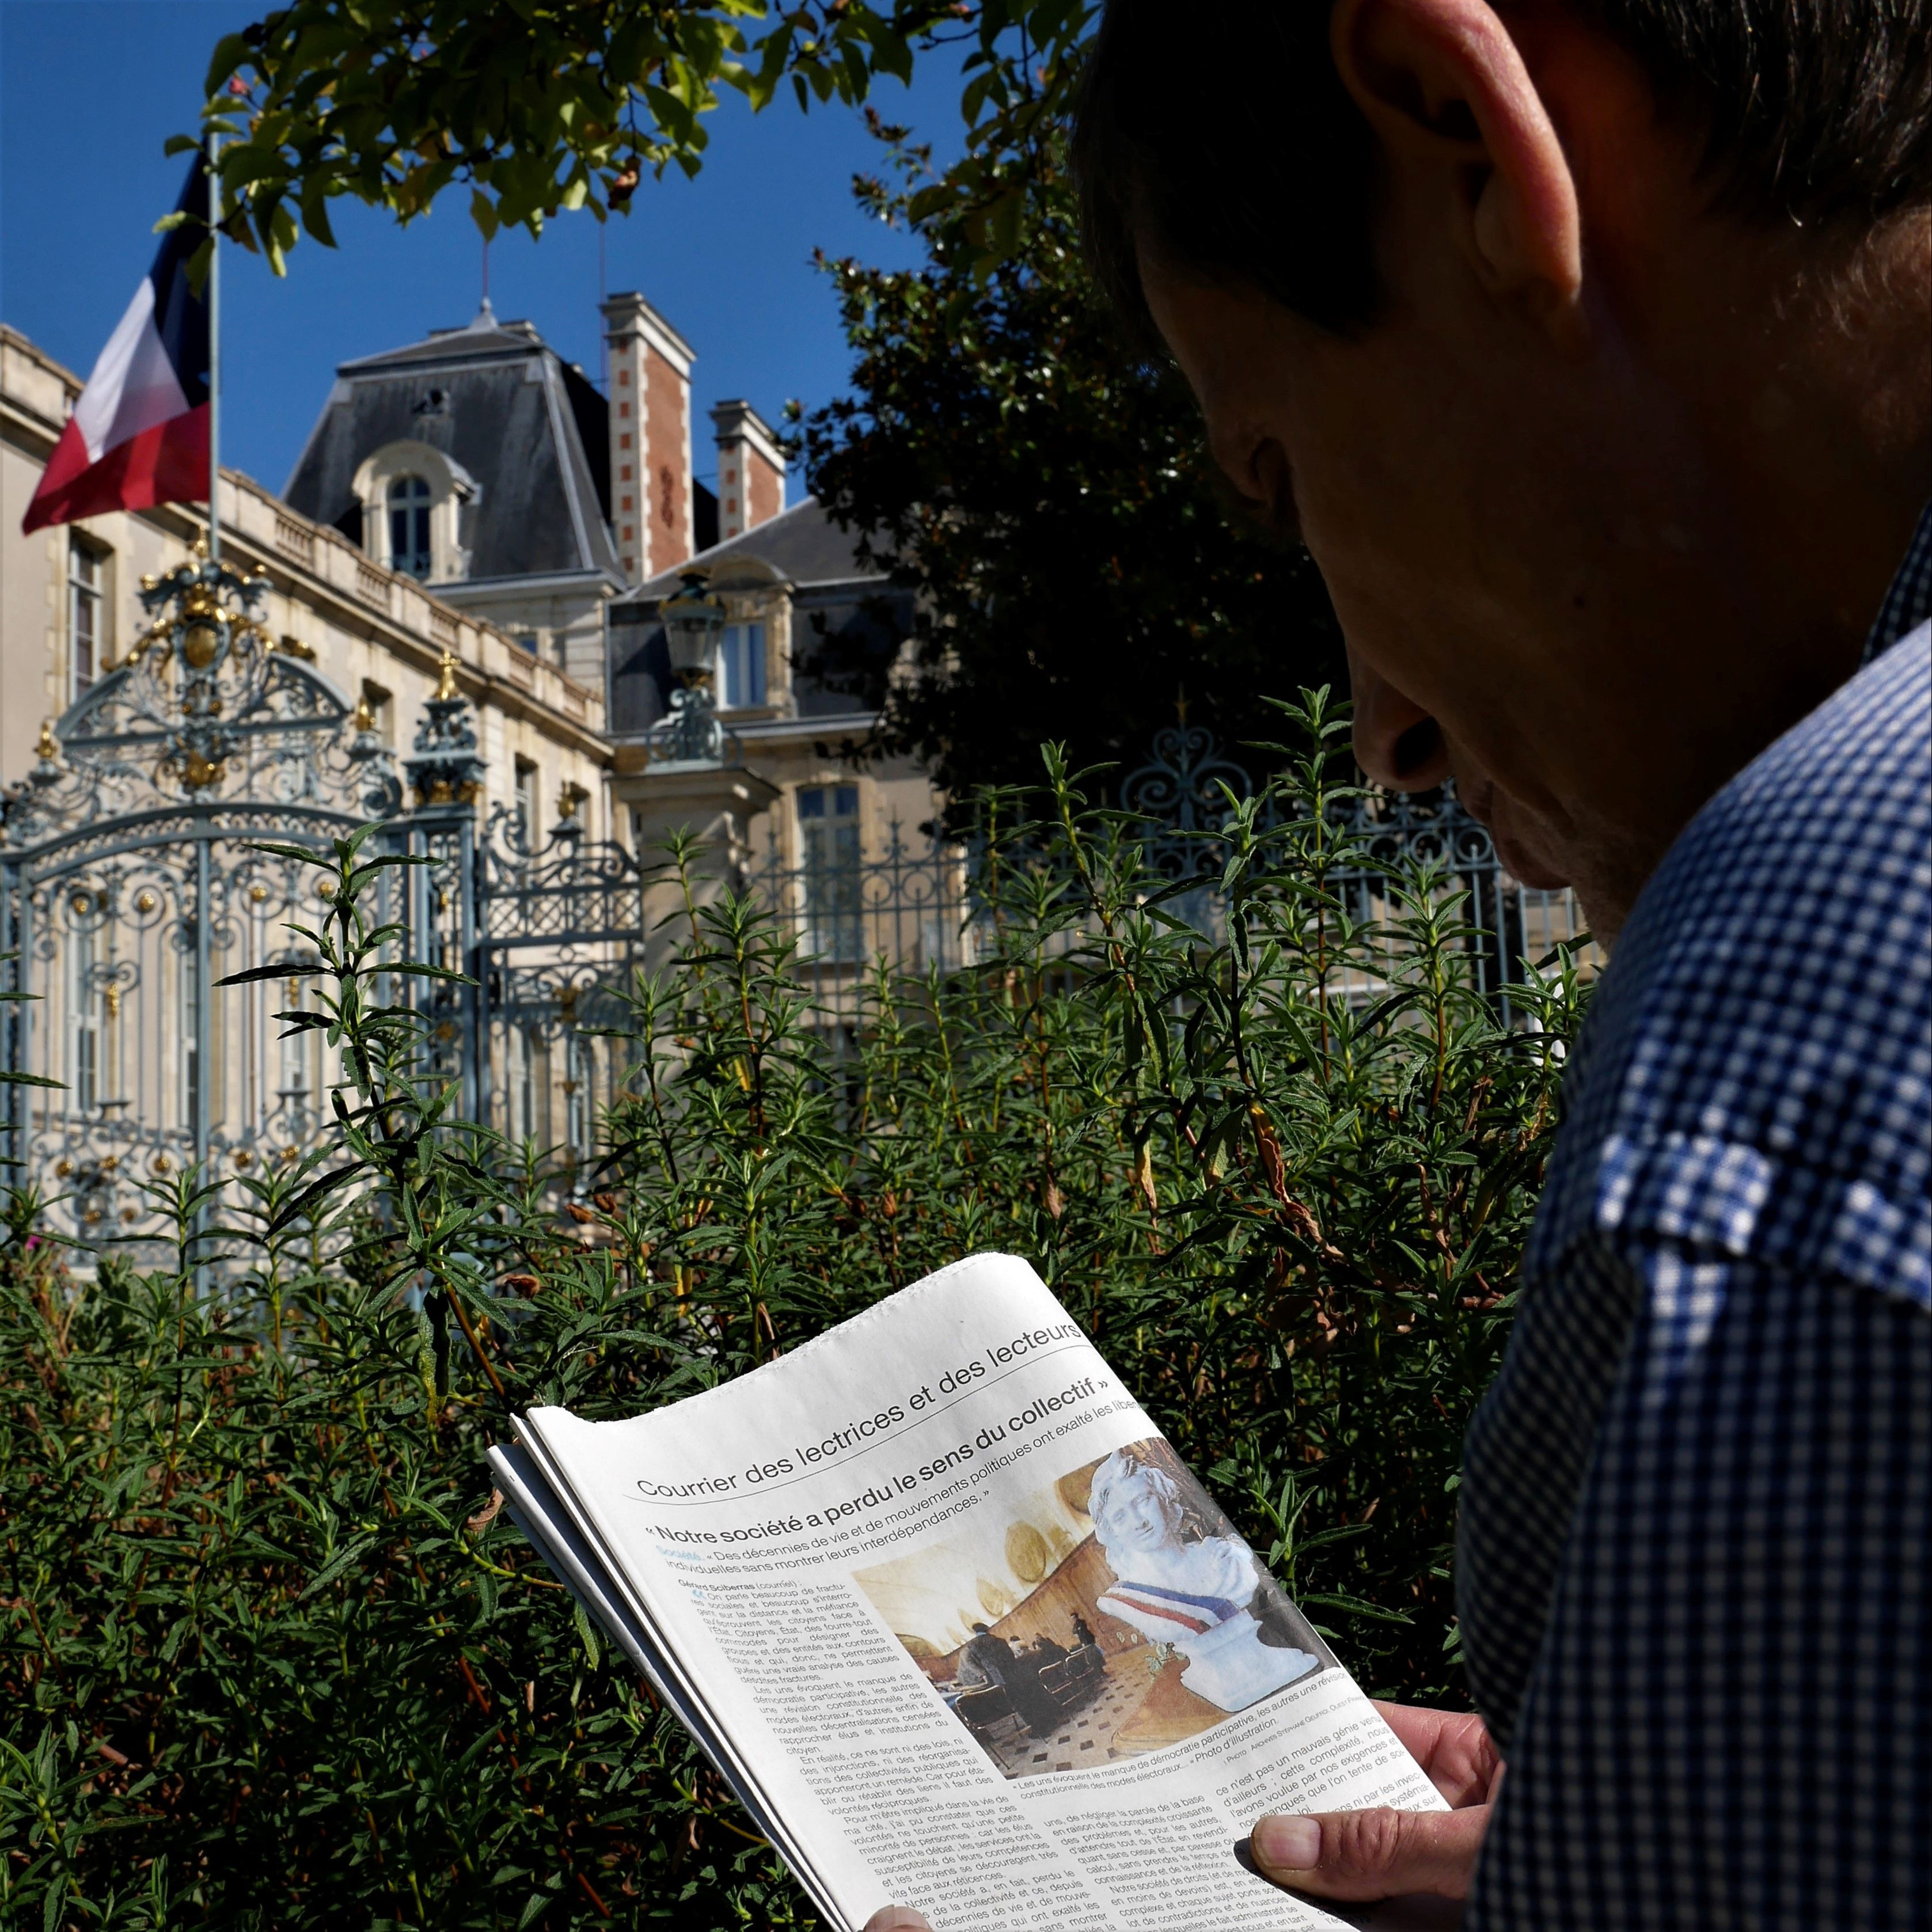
1817, 112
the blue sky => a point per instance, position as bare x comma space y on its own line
90, 89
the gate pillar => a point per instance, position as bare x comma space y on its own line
446, 771
716, 802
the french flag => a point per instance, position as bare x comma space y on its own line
139, 433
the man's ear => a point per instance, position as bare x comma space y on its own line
1444, 87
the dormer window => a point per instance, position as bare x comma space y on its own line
409, 526
417, 505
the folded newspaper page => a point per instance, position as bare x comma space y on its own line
957, 1625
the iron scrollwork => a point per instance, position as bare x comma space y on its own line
207, 706
1184, 790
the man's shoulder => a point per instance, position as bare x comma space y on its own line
1755, 1076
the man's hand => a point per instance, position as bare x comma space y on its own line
1380, 1853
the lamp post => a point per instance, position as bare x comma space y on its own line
693, 779
690, 733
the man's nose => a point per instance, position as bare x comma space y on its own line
1398, 745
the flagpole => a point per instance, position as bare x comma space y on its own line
214, 350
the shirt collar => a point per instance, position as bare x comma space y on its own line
1909, 602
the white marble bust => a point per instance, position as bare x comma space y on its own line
1193, 1591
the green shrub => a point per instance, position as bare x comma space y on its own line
271, 1659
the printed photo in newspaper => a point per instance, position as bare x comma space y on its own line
1111, 1613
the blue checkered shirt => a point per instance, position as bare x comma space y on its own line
1697, 1519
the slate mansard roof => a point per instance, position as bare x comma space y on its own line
802, 545
503, 407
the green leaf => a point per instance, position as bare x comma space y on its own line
586, 1633
1355, 1607
302, 1206
254, 975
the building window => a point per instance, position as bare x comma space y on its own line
526, 803
526, 640
580, 1094
192, 1044
741, 669
84, 1001
828, 838
409, 526
293, 1093
84, 635
523, 1107
828, 819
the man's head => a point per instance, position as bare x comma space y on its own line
1585, 344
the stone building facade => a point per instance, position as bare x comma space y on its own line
69, 612
473, 493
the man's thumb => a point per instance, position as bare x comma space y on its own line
1373, 1854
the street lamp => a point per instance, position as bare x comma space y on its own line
690, 733
694, 620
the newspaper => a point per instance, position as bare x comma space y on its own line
954, 1621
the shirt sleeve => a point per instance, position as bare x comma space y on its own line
1729, 1722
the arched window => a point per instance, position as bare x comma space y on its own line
409, 526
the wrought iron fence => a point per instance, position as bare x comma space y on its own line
922, 902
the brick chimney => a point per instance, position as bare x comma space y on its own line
751, 470
650, 438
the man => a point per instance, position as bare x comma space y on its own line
987, 1660
1587, 345
1046, 1653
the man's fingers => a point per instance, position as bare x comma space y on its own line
1454, 1748
1372, 1854
896, 1918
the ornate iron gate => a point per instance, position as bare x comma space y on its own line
559, 929
128, 887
